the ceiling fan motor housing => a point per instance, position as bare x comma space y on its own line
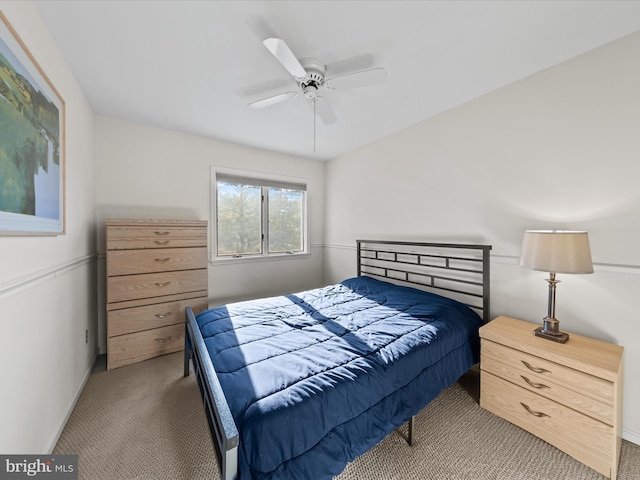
316, 71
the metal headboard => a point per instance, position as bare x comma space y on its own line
461, 270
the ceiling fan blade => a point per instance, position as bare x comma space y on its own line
265, 102
285, 56
358, 63
324, 111
359, 79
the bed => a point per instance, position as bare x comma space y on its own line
299, 385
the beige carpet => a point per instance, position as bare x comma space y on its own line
146, 422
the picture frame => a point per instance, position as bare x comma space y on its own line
32, 143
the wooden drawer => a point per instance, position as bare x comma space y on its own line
129, 262
585, 393
148, 285
135, 347
136, 237
129, 320
587, 440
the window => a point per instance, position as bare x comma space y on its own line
258, 217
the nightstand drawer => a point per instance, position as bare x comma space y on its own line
135, 347
580, 391
587, 440
130, 262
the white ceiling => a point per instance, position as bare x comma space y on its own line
193, 66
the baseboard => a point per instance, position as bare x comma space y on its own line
63, 424
630, 436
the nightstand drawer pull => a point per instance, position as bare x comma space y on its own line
162, 260
158, 284
164, 339
534, 385
161, 242
161, 233
163, 315
535, 414
534, 369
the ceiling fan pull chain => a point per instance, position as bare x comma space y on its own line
314, 125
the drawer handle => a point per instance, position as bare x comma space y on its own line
161, 242
163, 315
164, 339
158, 284
161, 233
534, 385
535, 414
534, 369
162, 260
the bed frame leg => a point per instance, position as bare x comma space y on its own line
186, 351
186, 363
410, 440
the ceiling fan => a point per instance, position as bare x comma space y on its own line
311, 76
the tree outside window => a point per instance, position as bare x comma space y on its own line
239, 219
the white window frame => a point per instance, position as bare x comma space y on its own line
268, 180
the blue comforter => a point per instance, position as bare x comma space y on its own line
317, 378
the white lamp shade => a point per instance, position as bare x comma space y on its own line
556, 251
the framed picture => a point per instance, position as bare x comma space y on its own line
32, 132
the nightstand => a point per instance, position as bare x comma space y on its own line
569, 395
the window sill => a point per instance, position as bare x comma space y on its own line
257, 258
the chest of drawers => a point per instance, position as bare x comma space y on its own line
155, 268
569, 395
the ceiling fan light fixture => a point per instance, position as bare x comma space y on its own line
310, 91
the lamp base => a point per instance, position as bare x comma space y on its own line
560, 337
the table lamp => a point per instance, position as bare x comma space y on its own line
555, 251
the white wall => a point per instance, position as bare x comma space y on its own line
147, 172
48, 283
560, 149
